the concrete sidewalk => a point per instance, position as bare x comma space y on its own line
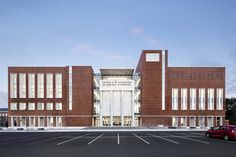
98, 129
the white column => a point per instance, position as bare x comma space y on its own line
122, 114
132, 107
111, 101
101, 101
163, 79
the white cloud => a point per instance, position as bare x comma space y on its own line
136, 30
87, 49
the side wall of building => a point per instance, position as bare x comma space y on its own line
152, 110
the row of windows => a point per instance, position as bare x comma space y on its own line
203, 121
197, 76
201, 98
50, 121
31, 106
40, 85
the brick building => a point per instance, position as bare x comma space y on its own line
151, 94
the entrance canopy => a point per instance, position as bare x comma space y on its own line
117, 71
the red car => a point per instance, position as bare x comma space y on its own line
227, 132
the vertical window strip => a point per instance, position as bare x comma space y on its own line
59, 85
49, 79
31, 85
22, 85
13, 85
175, 99
40, 84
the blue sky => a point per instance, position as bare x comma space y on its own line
114, 32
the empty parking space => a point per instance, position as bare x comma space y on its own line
158, 142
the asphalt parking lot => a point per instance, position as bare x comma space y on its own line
113, 144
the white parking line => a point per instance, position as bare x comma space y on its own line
95, 139
141, 138
190, 139
71, 139
163, 138
220, 140
118, 138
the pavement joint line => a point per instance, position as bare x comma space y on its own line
22, 140
118, 138
196, 134
191, 139
72, 139
43, 140
141, 138
164, 138
95, 139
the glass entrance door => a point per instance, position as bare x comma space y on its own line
116, 121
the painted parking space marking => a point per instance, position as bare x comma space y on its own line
95, 139
63, 142
118, 138
163, 138
190, 139
141, 138
215, 139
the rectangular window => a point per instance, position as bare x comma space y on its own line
210, 121
22, 106
50, 121
58, 121
175, 99
31, 106
202, 99
210, 99
22, 85
58, 85
41, 121
13, 106
49, 106
58, 106
183, 121
40, 84
31, 85
193, 99
40, 106
192, 121
32, 121
201, 121
13, 85
49, 78
219, 94
175, 121
184, 99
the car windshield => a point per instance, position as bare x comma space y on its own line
234, 129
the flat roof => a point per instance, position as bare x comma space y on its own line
121, 71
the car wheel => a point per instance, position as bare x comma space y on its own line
226, 137
208, 135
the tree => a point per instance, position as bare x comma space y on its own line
231, 110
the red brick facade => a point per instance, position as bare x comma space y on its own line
176, 77
152, 112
